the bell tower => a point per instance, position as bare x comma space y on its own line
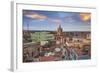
59, 30
59, 37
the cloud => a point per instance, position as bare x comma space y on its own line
85, 16
69, 19
57, 21
36, 16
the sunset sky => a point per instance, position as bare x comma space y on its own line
50, 20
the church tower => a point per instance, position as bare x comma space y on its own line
60, 36
59, 30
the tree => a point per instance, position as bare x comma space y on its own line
41, 36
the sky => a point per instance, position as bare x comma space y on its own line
50, 20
